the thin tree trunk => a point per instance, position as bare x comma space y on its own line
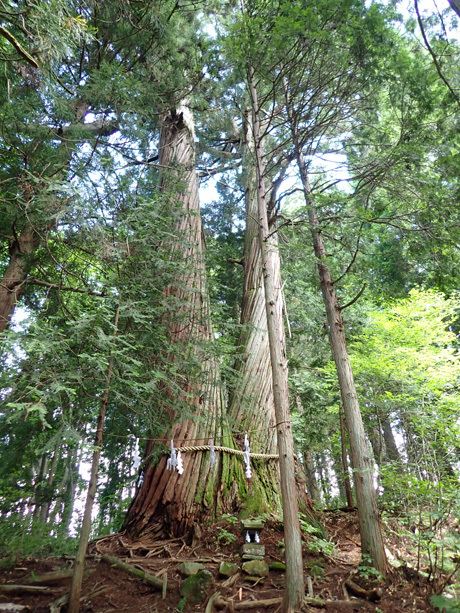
324, 477
343, 441
294, 592
77, 578
338, 470
312, 483
70, 492
371, 535
376, 439
45, 508
391, 449
39, 486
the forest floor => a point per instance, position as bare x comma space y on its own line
332, 570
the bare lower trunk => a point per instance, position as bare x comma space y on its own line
45, 508
40, 486
391, 449
312, 483
19, 265
69, 493
343, 442
375, 437
294, 592
338, 470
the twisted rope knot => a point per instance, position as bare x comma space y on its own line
260, 456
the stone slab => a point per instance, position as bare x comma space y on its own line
253, 549
252, 524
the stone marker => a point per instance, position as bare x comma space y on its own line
253, 551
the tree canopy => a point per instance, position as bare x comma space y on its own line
323, 140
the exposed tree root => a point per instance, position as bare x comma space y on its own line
373, 595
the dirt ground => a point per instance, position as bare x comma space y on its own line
109, 589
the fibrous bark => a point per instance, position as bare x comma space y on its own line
169, 503
251, 405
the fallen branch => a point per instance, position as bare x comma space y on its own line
140, 574
52, 577
26, 589
245, 605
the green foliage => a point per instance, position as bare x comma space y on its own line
20, 538
224, 537
445, 604
320, 545
367, 571
370, 105
232, 519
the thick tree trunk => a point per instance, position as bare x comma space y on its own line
169, 503
294, 592
251, 404
12, 285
